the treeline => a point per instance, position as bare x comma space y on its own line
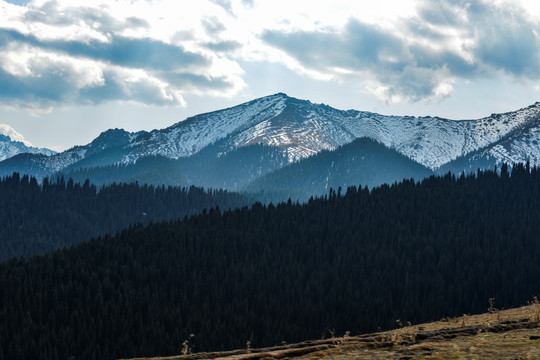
38, 218
354, 260
231, 171
263, 171
363, 161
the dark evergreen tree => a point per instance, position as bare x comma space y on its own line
37, 219
415, 251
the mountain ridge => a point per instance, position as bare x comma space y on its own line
301, 129
363, 161
10, 148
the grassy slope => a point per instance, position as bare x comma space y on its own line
508, 334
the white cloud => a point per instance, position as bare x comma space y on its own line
420, 55
13, 134
159, 51
59, 53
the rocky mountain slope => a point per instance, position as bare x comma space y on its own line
301, 129
10, 148
107, 148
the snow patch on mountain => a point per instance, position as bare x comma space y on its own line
61, 161
110, 139
190, 136
301, 129
10, 148
519, 146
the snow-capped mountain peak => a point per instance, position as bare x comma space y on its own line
300, 128
193, 134
9, 148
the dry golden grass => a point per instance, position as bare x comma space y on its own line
508, 334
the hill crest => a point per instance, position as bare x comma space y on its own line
300, 129
507, 334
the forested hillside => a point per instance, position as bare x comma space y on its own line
231, 170
363, 161
346, 262
264, 172
38, 218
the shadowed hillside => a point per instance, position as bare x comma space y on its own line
351, 261
40, 218
363, 162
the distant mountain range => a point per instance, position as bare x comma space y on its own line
238, 146
10, 148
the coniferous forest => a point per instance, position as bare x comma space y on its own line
354, 260
38, 218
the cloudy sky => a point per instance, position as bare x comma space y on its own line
70, 69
